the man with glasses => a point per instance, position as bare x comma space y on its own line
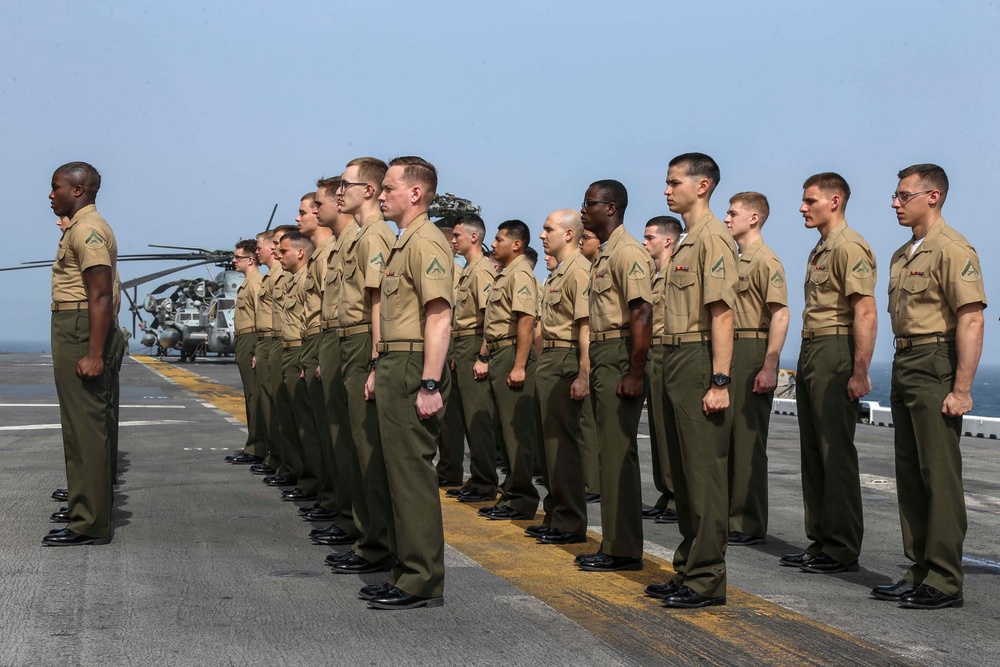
621, 324
936, 302
264, 321
839, 324
247, 299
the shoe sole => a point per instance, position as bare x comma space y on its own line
618, 568
339, 542
854, 567
748, 543
463, 499
367, 570
711, 602
930, 607
579, 540
516, 517
887, 598
97, 541
433, 602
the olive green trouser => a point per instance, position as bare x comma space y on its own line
698, 445
262, 352
561, 452
479, 413
246, 346
370, 499
409, 447
293, 413
929, 466
591, 447
282, 428
305, 423
87, 415
748, 446
657, 432
319, 461
516, 414
118, 348
617, 426
831, 483
451, 443
343, 468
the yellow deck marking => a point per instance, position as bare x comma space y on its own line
748, 631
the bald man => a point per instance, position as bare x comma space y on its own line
562, 381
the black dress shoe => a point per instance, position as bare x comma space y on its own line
473, 495
664, 590
67, 538
335, 537
666, 516
397, 599
823, 564
261, 469
62, 516
795, 559
584, 557
338, 557
487, 510
685, 598
442, 481
297, 495
321, 516
373, 590
739, 539
61, 495
928, 597
504, 513
650, 512
608, 563
454, 493
244, 459
536, 531
556, 536
305, 509
277, 480
355, 564
893, 592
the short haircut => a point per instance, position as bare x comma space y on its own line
930, 175
754, 201
420, 171
666, 225
371, 170
829, 182
266, 235
299, 240
531, 255
516, 230
82, 173
613, 191
699, 164
331, 185
473, 223
311, 196
284, 229
248, 246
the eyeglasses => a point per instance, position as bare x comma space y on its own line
237, 258
346, 184
587, 203
904, 197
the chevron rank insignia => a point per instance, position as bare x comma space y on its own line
777, 279
94, 240
378, 261
636, 271
971, 272
861, 269
435, 269
524, 292
719, 268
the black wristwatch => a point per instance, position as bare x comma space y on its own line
430, 385
373, 363
721, 379
485, 358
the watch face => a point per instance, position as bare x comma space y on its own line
430, 385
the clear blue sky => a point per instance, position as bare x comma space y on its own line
201, 116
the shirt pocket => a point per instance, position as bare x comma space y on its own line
390, 305
683, 295
915, 297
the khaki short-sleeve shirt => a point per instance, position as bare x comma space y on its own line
565, 300
839, 267
927, 288
364, 265
247, 301
279, 289
329, 315
621, 273
472, 291
659, 289
702, 271
315, 282
761, 282
515, 290
419, 270
263, 316
294, 307
87, 242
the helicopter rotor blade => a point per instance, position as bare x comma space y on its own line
159, 274
271, 219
